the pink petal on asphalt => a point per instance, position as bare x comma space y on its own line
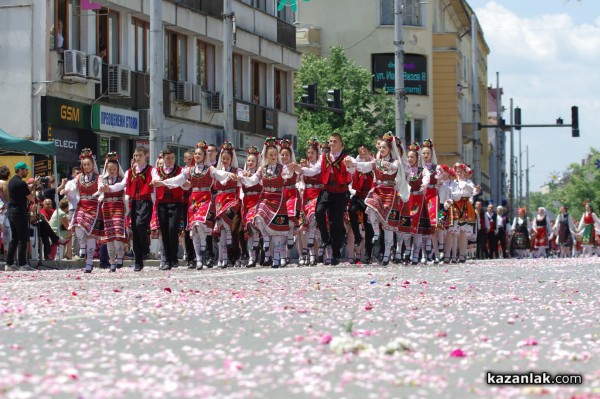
325, 338
458, 353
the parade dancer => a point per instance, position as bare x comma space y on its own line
430, 242
169, 208
227, 201
271, 217
464, 189
291, 196
448, 216
390, 187
587, 228
251, 196
362, 183
333, 199
565, 229
520, 239
114, 211
542, 229
86, 222
312, 189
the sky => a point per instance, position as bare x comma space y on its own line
547, 53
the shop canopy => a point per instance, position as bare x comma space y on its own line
10, 145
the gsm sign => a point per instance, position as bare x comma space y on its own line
69, 113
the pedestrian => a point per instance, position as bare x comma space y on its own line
587, 229
271, 217
333, 199
169, 208
520, 238
87, 221
383, 201
565, 230
4, 224
503, 229
60, 225
542, 229
312, 189
483, 225
19, 195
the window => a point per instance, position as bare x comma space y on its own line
412, 12
205, 72
178, 151
281, 90
107, 144
261, 5
142, 53
63, 35
175, 56
108, 34
237, 76
75, 25
259, 83
285, 14
413, 131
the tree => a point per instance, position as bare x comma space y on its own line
366, 115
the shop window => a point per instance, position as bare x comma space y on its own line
205, 72
107, 144
259, 83
237, 76
175, 56
281, 91
109, 34
413, 131
142, 55
412, 12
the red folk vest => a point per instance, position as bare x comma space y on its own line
166, 195
339, 180
138, 187
362, 183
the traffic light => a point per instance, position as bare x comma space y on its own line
334, 98
574, 121
518, 118
310, 94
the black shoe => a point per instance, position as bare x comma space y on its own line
397, 261
191, 264
166, 266
119, 265
367, 260
327, 262
275, 265
386, 261
89, 268
174, 264
335, 261
414, 263
268, 262
251, 263
138, 268
319, 259
104, 265
113, 268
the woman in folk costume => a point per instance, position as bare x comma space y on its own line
154, 225
249, 201
430, 242
542, 229
312, 189
520, 239
445, 234
114, 211
291, 195
587, 228
464, 190
86, 222
271, 217
414, 219
565, 230
383, 201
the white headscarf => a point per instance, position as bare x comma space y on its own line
203, 146
429, 143
227, 146
252, 150
113, 156
401, 184
87, 153
285, 143
270, 142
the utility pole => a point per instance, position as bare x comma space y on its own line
227, 71
527, 181
399, 68
512, 163
476, 106
156, 135
499, 145
520, 172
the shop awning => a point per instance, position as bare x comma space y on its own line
10, 145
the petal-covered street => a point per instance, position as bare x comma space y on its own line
322, 332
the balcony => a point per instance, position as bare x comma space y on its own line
255, 119
286, 34
214, 8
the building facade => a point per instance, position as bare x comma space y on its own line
77, 72
438, 71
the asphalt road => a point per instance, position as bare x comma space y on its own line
322, 332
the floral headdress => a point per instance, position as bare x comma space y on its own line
86, 153
287, 144
396, 147
227, 146
253, 150
202, 145
112, 157
270, 142
429, 144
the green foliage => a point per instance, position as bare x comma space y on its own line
367, 115
580, 183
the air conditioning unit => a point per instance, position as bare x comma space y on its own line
119, 81
94, 68
185, 93
144, 121
214, 102
74, 66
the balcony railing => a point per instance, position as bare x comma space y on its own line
213, 8
286, 34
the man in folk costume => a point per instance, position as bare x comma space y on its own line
86, 221
502, 227
170, 208
483, 225
492, 233
333, 199
361, 185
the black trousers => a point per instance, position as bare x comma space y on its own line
19, 228
47, 235
141, 214
481, 244
169, 216
492, 239
189, 243
358, 204
332, 205
502, 241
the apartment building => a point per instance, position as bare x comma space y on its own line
438, 64
77, 72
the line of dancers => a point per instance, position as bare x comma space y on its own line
399, 199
